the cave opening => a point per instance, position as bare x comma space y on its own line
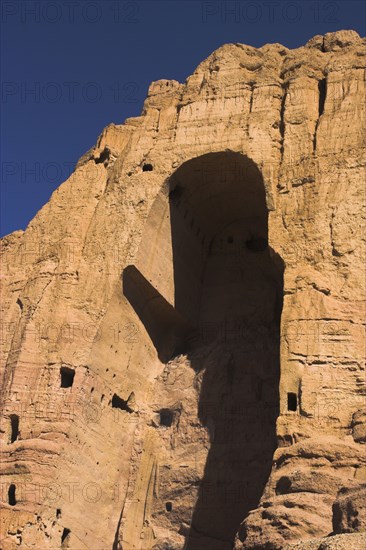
14, 427
166, 417
11, 495
291, 401
229, 288
67, 377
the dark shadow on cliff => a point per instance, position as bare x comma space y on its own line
229, 285
165, 327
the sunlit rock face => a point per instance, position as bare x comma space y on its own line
182, 329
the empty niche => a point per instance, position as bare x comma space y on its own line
58, 513
231, 215
210, 296
291, 401
147, 167
67, 377
11, 495
14, 427
169, 506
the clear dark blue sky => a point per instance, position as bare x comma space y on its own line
70, 67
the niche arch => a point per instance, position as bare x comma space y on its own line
207, 284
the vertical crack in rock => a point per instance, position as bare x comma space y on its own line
251, 98
322, 87
322, 90
282, 122
116, 541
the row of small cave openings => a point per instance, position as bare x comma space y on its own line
12, 501
117, 402
166, 415
67, 378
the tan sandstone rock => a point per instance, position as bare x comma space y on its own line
182, 348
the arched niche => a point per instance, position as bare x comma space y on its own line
206, 284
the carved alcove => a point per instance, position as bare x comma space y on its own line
207, 282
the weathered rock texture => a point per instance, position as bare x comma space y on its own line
182, 330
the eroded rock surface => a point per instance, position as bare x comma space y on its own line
183, 322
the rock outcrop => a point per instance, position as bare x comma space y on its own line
183, 322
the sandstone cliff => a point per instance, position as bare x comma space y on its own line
183, 322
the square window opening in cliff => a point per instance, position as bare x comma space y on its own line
166, 417
11, 495
67, 377
14, 427
169, 506
291, 401
147, 167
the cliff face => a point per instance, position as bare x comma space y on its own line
182, 328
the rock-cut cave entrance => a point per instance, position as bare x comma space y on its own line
228, 294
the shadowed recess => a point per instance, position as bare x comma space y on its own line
215, 294
228, 283
14, 425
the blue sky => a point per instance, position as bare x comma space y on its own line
70, 67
